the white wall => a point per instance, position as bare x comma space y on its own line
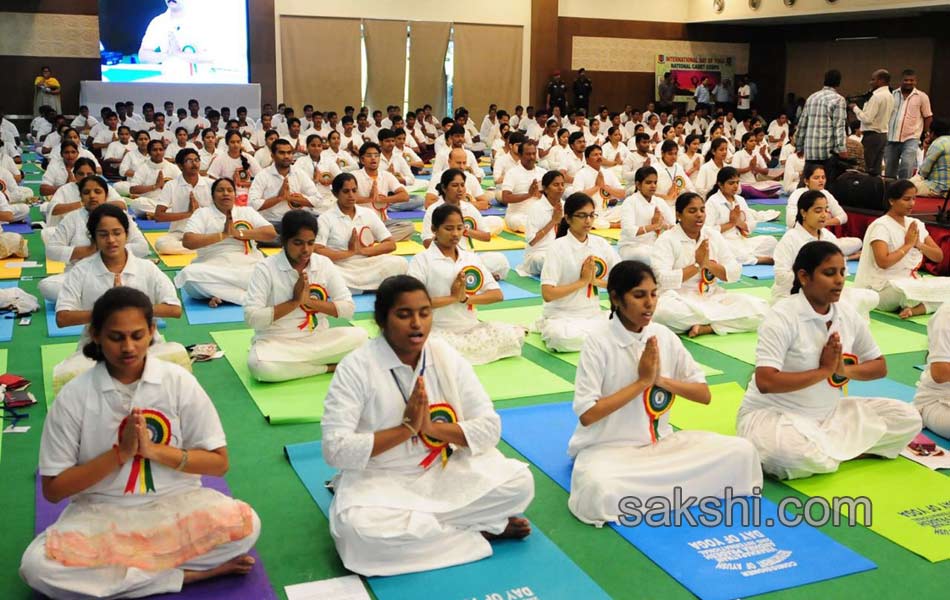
493, 12
702, 10
668, 11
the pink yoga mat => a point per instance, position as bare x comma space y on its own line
253, 586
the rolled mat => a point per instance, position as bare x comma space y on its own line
498, 377
715, 562
297, 401
530, 568
253, 586
910, 502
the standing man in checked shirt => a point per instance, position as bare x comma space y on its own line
822, 128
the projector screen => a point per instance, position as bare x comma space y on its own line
173, 41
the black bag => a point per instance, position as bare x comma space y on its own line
860, 190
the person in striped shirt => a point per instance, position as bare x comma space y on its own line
822, 129
933, 179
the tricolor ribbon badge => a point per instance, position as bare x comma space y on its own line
706, 279
600, 269
438, 413
679, 183
474, 279
317, 292
470, 225
657, 401
341, 163
244, 226
160, 430
606, 197
840, 381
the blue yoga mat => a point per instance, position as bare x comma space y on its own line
8, 319
21, 228
515, 257
199, 313
712, 562
150, 225
769, 228
54, 330
414, 215
531, 568
366, 302
759, 271
781, 200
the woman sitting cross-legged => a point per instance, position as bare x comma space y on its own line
810, 345
127, 443
288, 300
421, 484
223, 235
630, 371
458, 281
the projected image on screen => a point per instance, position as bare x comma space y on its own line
173, 41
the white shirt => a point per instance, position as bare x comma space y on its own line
116, 150
717, 214
472, 187
742, 159
775, 131
400, 166
90, 279
610, 152
786, 251
833, 207
386, 184
441, 163
687, 163
68, 193
938, 339
208, 219
222, 165
267, 184
636, 212
306, 167
84, 422
273, 282
794, 165
176, 197
790, 339
562, 266
634, 161
886, 229
190, 123
343, 159
470, 215
539, 215
585, 178
148, 172
745, 97
133, 161
673, 251
438, 272
504, 162
608, 363
367, 394
518, 181
876, 114
71, 233
336, 229
666, 176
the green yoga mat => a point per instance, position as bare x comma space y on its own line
890, 338
919, 319
297, 401
904, 496
51, 355
505, 379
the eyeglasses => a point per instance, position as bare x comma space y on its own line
585, 216
371, 155
191, 160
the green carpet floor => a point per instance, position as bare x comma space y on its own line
295, 544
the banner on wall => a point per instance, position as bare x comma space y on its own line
688, 72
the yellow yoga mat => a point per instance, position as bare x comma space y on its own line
408, 248
177, 261
495, 244
610, 234
6, 273
54, 267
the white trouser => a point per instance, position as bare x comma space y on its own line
75, 583
123, 188
936, 416
430, 541
531, 265
50, 286
495, 224
516, 222
497, 263
313, 356
20, 212
636, 252
892, 299
142, 205
728, 312
849, 245
568, 334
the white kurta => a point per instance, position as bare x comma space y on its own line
848, 245
814, 429
637, 212
518, 181
479, 342
223, 269
496, 262
746, 249
81, 425
689, 164
539, 215
566, 322
296, 345
682, 304
899, 285
584, 179
176, 197
666, 176
361, 273
389, 515
307, 168
146, 174
72, 233
627, 453
267, 184
932, 398
863, 300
